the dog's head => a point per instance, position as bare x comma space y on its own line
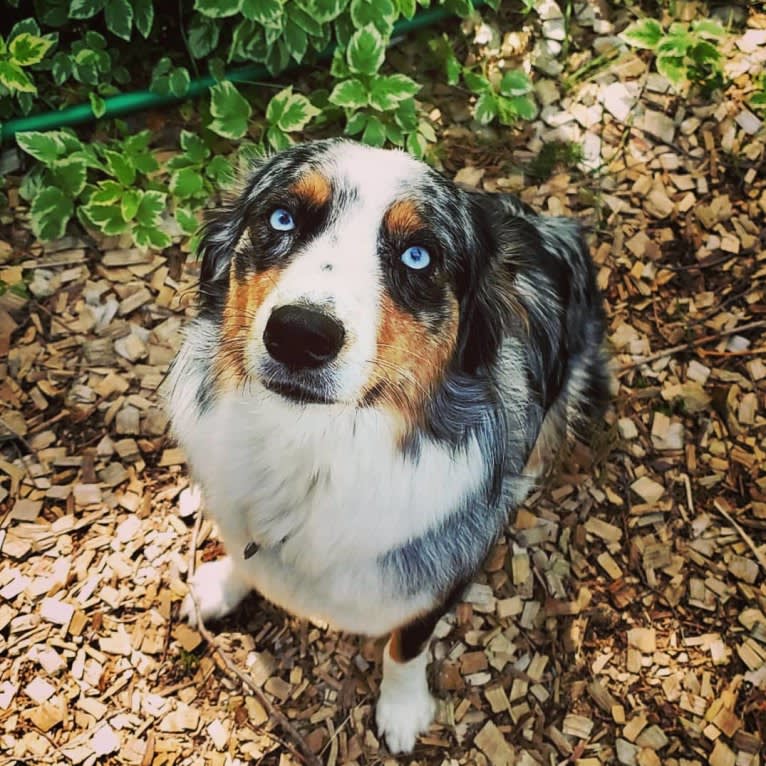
343, 273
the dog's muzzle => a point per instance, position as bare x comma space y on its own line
303, 338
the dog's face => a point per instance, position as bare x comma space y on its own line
344, 273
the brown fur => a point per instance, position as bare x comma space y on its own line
313, 188
403, 218
242, 303
410, 360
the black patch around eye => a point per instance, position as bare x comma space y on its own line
269, 247
424, 292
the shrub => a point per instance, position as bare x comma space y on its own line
84, 50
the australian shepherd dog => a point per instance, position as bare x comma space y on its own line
379, 361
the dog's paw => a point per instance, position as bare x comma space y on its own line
403, 713
217, 590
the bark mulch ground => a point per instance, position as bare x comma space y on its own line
622, 619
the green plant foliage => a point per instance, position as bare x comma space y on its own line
116, 186
685, 54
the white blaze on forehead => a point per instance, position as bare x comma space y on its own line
340, 268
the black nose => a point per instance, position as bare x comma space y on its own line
302, 338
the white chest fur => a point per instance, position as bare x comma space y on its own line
327, 479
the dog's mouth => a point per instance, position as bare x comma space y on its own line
296, 391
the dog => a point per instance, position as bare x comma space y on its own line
379, 360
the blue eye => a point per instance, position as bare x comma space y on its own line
416, 257
281, 220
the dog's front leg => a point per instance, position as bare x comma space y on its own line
218, 588
405, 706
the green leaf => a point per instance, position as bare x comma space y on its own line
151, 207
54, 13
107, 193
194, 147
453, 69
277, 138
645, 33
202, 36
356, 124
152, 237
61, 68
97, 104
95, 40
217, 9
416, 145
69, 175
388, 91
486, 108
118, 165
143, 16
674, 45
380, 14
374, 132
290, 111
394, 134
186, 220
107, 218
705, 53
85, 9
366, 51
672, 68
477, 83
304, 20
406, 116
266, 12
186, 182
26, 49
179, 81
325, 10
296, 40
230, 111
118, 15
708, 28
44, 147
406, 8
129, 203
50, 212
515, 83
219, 171
524, 107
339, 68
351, 94
15, 78
278, 57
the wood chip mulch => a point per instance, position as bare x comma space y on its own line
622, 619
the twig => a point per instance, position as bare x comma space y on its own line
759, 555
303, 752
746, 352
691, 344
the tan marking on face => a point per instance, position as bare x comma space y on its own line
313, 188
403, 218
395, 647
410, 360
242, 303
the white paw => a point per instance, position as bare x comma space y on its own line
217, 590
403, 713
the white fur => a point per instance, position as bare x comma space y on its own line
330, 479
405, 707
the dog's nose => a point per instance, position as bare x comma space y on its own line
302, 338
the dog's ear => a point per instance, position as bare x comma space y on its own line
222, 230
501, 238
